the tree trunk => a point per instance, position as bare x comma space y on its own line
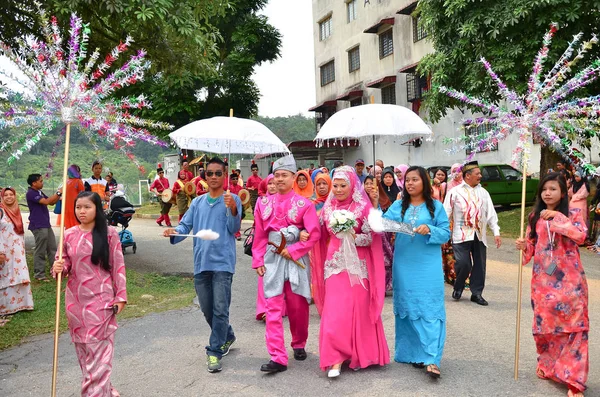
548, 159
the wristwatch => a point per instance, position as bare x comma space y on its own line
59, 194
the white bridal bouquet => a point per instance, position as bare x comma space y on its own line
342, 221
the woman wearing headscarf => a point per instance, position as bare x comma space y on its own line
15, 287
400, 170
455, 178
74, 187
578, 193
322, 189
303, 185
261, 303
388, 182
349, 289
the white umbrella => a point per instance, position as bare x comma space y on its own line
373, 119
228, 135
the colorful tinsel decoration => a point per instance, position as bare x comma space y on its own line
58, 90
543, 114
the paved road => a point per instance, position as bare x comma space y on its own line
163, 354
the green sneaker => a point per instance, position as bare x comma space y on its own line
213, 363
225, 348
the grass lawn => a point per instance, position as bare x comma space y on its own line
509, 221
166, 293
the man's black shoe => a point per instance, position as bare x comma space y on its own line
456, 294
479, 300
273, 367
300, 354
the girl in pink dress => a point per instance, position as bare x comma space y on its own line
351, 296
559, 291
95, 294
578, 193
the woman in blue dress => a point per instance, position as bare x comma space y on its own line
418, 277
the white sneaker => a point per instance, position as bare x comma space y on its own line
333, 373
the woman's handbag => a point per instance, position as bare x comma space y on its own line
249, 233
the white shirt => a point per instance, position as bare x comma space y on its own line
471, 210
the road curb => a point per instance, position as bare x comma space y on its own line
174, 218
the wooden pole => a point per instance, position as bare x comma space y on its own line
520, 282
60, 256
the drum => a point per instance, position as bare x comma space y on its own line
244, 196
190, 189
167, 196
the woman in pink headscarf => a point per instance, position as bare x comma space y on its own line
349, 288
455, 178
400, 170
267, 189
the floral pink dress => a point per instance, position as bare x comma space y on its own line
559, 297
15, 287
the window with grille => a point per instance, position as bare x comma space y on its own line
415, 86
386, 43
419, 32
388, 94
475, 134
327, 73
325, 29
351, 9
354, 59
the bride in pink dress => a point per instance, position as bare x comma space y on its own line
349, 297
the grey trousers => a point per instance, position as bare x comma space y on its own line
470, 259
45, 247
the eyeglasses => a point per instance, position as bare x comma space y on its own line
216, 173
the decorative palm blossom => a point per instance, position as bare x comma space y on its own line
60, 88
548, 113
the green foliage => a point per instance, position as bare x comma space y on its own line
290, 128
168, 293
507, 33
82, 154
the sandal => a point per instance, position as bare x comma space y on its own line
540, 374
433, 371
4, 320
418, 365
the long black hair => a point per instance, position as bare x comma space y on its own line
100, 251
426, 191
563, 205
445, 174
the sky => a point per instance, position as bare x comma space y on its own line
287, 85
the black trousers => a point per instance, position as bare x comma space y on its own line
470, 259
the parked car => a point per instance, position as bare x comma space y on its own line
503, 182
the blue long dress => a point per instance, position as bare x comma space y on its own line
418, 280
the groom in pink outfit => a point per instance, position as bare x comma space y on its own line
285, 281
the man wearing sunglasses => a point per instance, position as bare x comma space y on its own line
214, 260
278, 220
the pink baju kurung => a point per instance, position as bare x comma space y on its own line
282, 289
349, 298
560, 299
89, 298
579, 200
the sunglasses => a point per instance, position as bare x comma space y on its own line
215, 173
161, 172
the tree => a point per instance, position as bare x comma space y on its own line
248, 40
178, 35
507, 33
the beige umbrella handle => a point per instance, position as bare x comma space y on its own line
60, 256
520, 282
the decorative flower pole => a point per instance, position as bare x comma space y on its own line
544, 114
57, 90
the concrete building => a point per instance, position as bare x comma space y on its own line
368, 50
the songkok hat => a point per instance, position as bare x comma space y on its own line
285, 163
470, 165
